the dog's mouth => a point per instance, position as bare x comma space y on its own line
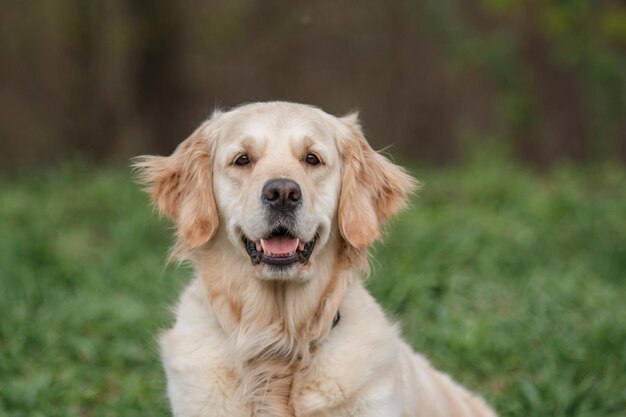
279, 248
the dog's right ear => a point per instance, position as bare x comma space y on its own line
181, 185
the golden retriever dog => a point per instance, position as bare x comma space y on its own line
276, 204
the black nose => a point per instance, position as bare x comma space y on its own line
282, 194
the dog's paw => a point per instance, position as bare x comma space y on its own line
319, 396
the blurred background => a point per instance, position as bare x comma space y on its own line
111, 79
508, 272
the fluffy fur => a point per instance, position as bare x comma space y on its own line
250, 340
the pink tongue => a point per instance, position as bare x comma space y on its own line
280, 244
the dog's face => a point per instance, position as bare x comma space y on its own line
279, 184
277, 178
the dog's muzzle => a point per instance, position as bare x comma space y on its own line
282, 198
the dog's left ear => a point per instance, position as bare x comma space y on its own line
372, 188
181, 185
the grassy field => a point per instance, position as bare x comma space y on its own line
513, 282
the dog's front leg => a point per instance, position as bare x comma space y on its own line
326, 398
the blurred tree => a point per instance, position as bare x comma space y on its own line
110, 79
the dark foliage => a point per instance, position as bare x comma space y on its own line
110, 79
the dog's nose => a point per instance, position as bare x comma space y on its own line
282, 194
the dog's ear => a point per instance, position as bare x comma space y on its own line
372, 188
181, 185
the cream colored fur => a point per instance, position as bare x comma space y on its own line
251, 341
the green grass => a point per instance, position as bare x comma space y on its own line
513, 282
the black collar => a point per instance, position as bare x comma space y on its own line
336, 319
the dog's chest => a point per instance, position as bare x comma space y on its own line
204, 371
202, 383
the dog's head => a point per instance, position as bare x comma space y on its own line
277, 185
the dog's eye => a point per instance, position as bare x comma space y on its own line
242, 160
312, 159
